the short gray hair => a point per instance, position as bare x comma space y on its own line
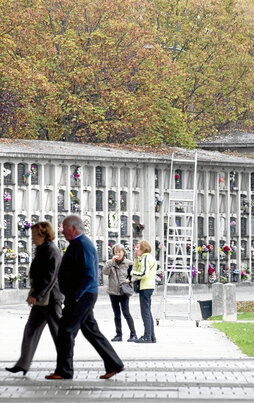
118, 246
75, 221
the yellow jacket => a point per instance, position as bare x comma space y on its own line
144, 269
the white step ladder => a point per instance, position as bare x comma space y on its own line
179, 247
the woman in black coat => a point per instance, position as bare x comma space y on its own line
44, 297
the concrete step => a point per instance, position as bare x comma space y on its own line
144, 380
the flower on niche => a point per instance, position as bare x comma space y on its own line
76, 173
138, 227
244, 275
22, 225
10, 277
10, 255
177, 176
194, 271
232, 223
7, 196
33, 170
6, 171
226, 249
159, 274
211, 270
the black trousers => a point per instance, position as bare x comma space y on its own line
119, 302
79, 315
37, 320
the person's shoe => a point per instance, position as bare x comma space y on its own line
133, 338
110, 374
54, 377
117, 338
143, 339
16, 369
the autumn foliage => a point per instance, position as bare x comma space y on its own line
153, 72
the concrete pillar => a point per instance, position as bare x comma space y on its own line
217, 297
229, 303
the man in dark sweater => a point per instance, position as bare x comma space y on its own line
78, 280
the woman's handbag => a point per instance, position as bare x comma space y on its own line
136, 286
126, 289
45, 300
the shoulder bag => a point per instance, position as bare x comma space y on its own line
125, 288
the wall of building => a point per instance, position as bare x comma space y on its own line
125, 202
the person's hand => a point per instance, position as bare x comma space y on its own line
31, 301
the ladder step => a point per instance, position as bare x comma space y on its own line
180, 285
184, 315
185, 298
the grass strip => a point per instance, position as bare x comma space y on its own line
240, 316
242, 334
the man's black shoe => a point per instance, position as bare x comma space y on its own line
133, 338
143, 340
117, 338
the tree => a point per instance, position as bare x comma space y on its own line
149, 71
88, 72
210, 42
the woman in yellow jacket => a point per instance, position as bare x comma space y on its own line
144, 269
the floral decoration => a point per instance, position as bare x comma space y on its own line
10, 277
24, 225
179, 207
245, 273
138, 227
203, 249
111, 202
227, 249
76, 174
26, 176
75, 202
34, 170
6, 171
194, 271
159, 274
232, 176
23, 257
7, 196
158, 199
211, 274
9, 254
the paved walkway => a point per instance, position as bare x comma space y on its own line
188, 363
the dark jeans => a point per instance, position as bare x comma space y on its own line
79, 315
145, 299
119, 302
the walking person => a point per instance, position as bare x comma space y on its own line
118, 271
144, 269
44, 286
78, 279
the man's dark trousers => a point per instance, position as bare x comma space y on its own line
79, 315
